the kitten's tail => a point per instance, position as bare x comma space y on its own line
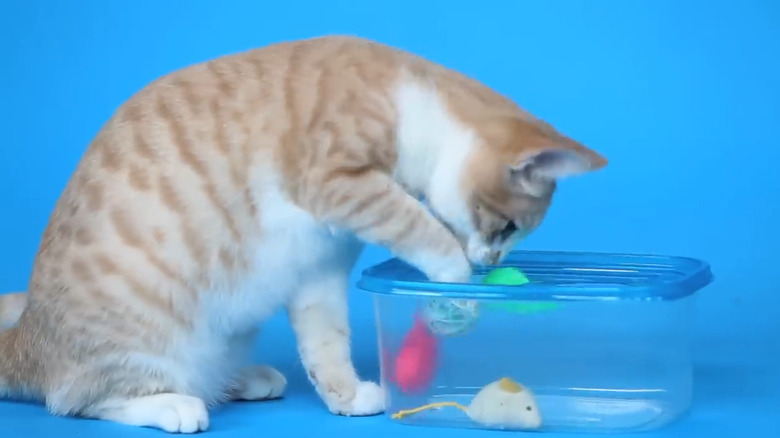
12, 355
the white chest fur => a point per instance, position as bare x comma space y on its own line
293, 248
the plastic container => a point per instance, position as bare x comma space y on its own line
600, 340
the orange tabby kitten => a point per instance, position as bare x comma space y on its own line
227, 189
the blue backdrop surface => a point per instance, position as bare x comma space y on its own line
682, 97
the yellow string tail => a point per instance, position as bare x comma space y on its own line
403, 413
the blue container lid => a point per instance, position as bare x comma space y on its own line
556, 276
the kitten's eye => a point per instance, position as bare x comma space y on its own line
529, 409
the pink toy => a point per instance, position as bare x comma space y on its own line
416, 361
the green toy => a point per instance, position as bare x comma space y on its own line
523, 308
450, 317
506, 276
510, 276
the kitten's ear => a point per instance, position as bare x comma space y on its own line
557, 162
537, 150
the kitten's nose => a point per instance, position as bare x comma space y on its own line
494, 257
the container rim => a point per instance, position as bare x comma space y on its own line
679, 277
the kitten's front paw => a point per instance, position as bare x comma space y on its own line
369, 399
457, 270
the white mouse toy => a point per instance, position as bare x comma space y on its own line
503, 404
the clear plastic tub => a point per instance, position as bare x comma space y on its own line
600, 341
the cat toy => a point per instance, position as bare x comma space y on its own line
416, 361
417, 358
503, 404
514, 277
506, 276
450, 317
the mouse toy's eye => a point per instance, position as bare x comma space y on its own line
529, 409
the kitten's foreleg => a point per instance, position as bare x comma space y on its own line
379, 211
318, 314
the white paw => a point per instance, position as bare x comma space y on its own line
174, 413
369, 400
184, 414
457, 270
260, 383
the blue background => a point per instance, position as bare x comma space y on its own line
682, 97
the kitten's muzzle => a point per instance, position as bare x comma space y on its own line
481, 253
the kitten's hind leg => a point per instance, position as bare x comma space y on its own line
174, 413
253, 382
258, 382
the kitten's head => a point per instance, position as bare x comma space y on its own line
507, 184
